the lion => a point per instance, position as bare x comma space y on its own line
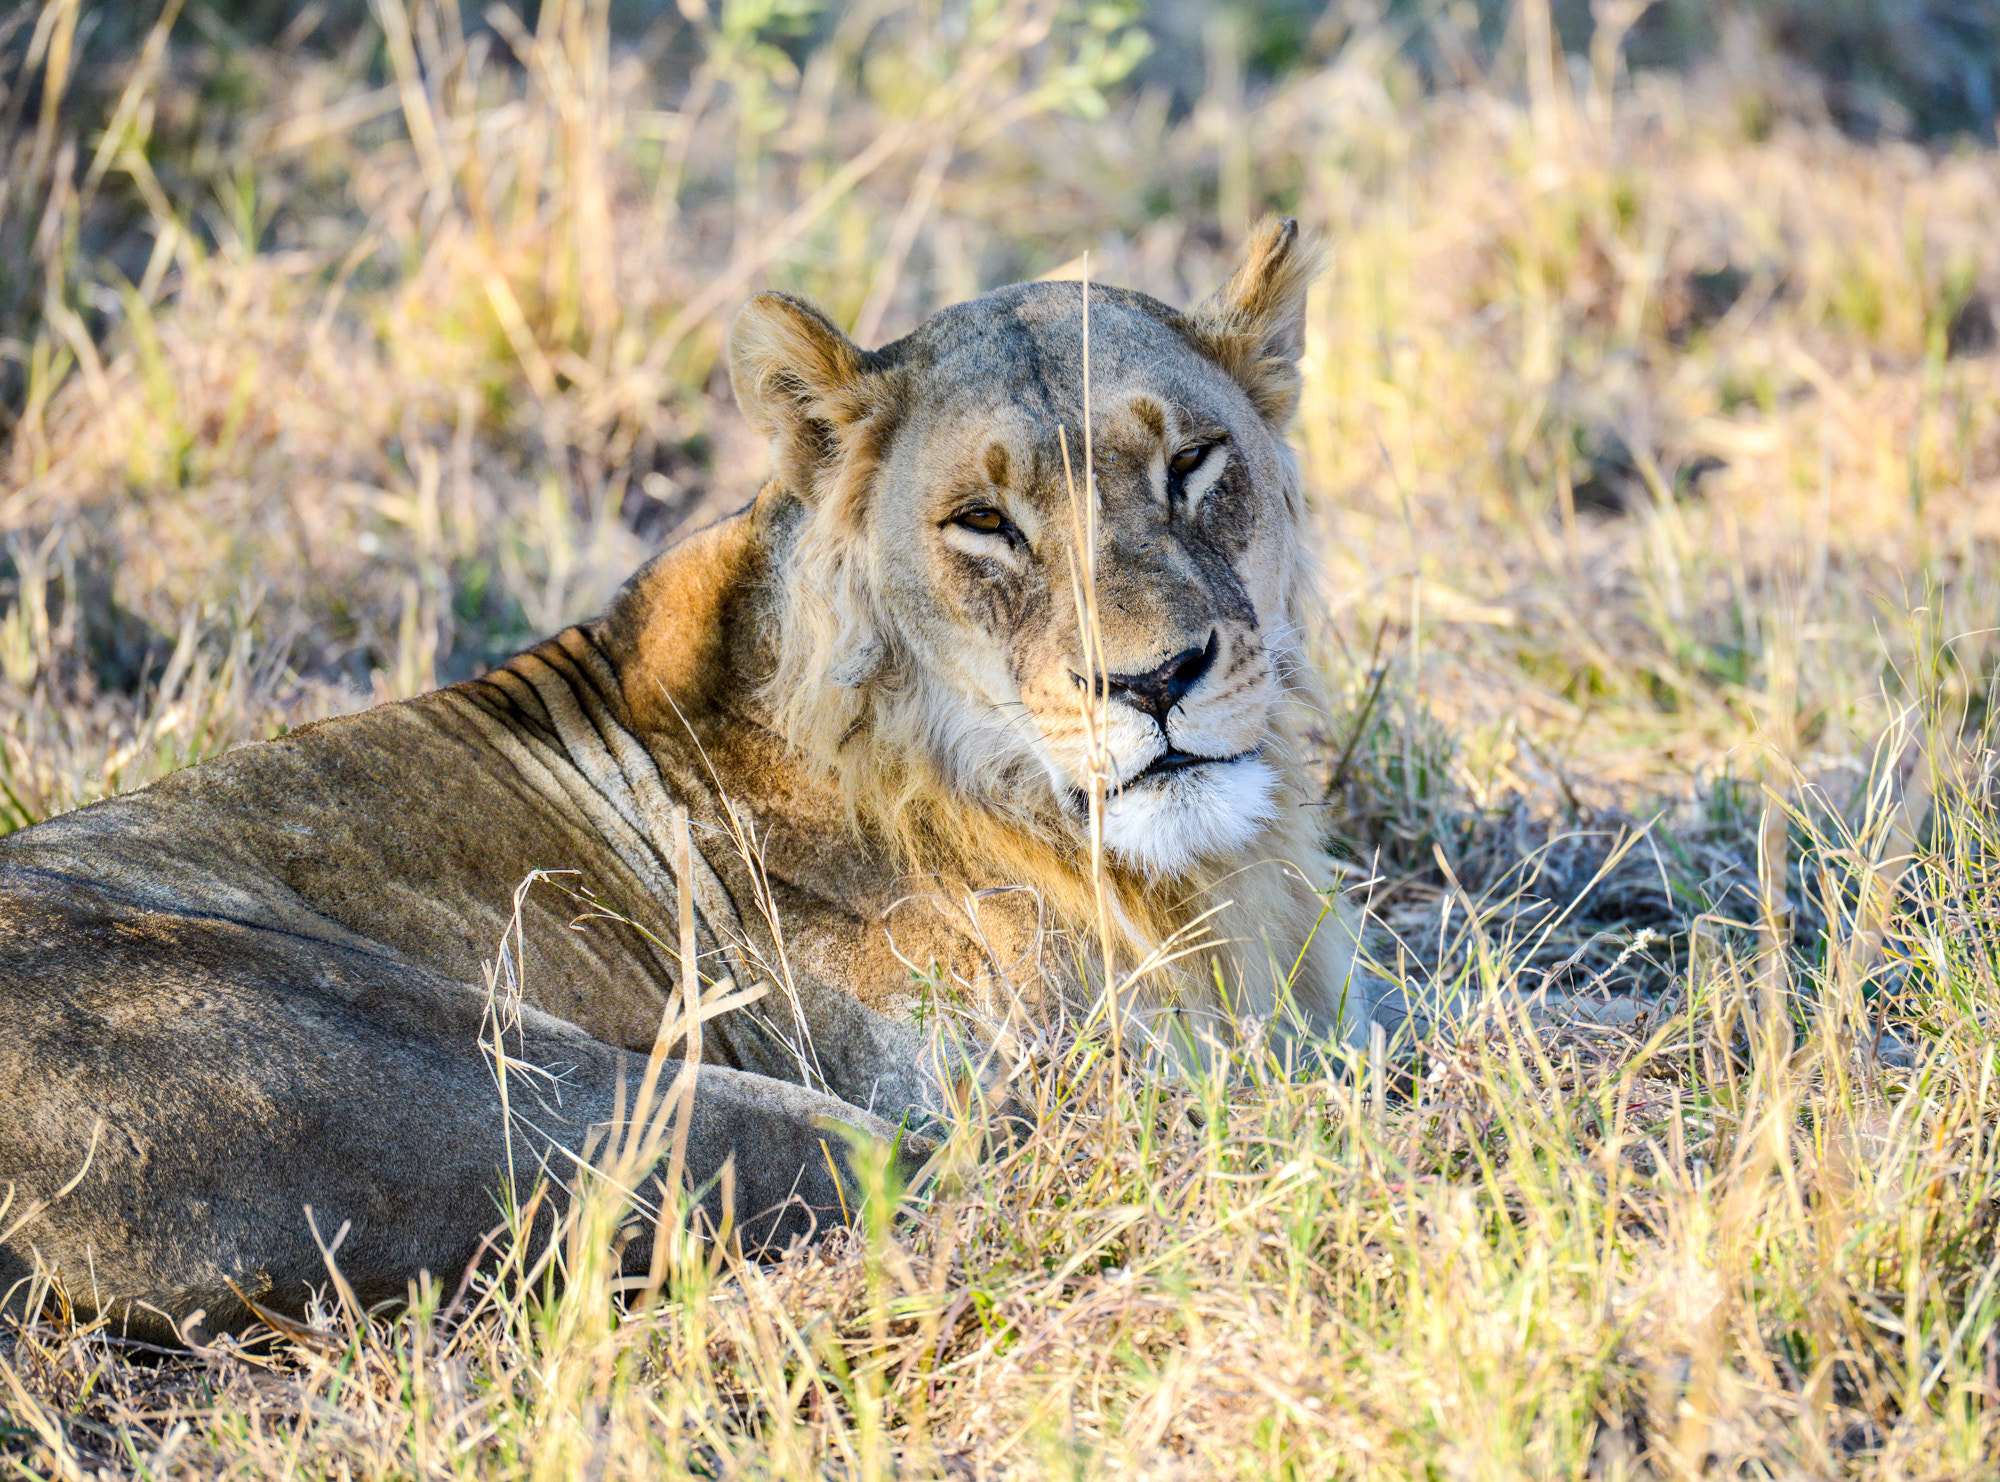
895, 736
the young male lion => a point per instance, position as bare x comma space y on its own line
256, 989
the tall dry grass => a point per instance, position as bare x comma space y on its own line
1651, 427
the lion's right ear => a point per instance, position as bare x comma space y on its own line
1254, 326
801, 383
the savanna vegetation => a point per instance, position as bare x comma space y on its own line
1652, 432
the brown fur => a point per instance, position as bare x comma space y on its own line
259, 985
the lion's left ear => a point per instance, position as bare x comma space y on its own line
1254, 326
801, 383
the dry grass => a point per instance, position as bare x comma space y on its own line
1653, 429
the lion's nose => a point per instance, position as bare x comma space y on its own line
1160, 691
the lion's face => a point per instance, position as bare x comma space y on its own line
978, 550
947, 549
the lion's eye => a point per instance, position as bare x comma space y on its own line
1188, 459
986, 520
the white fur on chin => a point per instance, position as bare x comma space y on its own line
1165, 825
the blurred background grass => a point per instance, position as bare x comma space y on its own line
1651, 428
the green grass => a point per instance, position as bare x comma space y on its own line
1653, 449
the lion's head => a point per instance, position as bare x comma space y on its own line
934, 633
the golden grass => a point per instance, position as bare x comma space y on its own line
1653, 433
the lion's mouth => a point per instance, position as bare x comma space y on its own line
1168, 763
1174, 760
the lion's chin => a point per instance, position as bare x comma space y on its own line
1168, 823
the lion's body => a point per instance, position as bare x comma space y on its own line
261, 984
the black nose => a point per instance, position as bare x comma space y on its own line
1159, 692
